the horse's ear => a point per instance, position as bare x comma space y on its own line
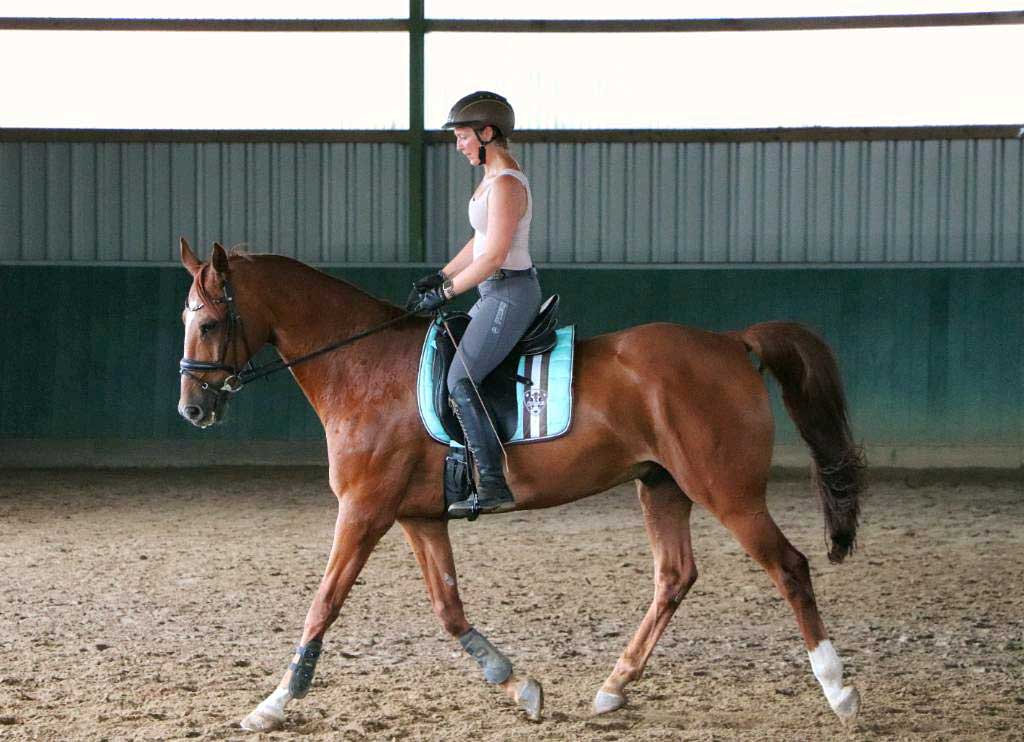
219, 258
188, 258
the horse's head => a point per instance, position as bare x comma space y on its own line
217, 341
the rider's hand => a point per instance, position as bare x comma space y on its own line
429, 281
430, 301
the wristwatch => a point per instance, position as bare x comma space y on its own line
447, 289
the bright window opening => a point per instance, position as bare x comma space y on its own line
204, 9
638, 9
876, 77
204, 80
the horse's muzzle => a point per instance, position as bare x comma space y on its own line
200, 415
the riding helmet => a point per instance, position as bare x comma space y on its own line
481, 109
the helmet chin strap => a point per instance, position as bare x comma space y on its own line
482, 152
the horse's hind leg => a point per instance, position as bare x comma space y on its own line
432, 547
788, 569
667, 518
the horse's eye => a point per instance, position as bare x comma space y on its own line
207, 327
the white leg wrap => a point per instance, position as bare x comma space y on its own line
273, 705
828, 669
269, 715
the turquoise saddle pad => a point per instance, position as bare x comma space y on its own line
544, 407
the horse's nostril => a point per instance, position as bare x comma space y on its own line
193, 412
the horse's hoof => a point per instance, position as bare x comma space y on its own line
605, 703
847, 704
261, 721
530, 697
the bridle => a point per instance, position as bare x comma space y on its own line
237, 378
234, 381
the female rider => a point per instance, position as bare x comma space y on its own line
496, 261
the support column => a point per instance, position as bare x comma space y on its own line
416, 150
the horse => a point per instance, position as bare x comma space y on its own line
682, 412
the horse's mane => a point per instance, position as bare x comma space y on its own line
239, 251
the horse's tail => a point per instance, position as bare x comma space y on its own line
813, 393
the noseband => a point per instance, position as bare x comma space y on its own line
237, 378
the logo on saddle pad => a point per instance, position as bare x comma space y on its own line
536, 400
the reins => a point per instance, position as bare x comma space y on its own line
237, 379
280, 364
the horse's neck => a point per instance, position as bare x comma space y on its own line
309, 309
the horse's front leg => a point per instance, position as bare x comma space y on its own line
359, 527
433, 550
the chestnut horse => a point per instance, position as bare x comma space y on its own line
681, 411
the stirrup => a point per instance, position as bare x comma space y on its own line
468, 508
473, 507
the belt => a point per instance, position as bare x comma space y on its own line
502, 273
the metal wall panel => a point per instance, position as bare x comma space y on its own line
129, 202
755, 202
928, 201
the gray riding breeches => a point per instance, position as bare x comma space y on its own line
503, 313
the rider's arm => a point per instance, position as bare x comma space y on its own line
505, 207
463, 258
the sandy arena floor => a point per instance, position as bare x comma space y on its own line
159, 605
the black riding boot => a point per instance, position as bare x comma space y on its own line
492, 493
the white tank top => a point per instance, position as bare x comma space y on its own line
519, 253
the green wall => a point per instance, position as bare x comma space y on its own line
930, 355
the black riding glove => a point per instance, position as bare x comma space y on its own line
430, 281
430, 301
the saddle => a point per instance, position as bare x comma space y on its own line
499, 388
